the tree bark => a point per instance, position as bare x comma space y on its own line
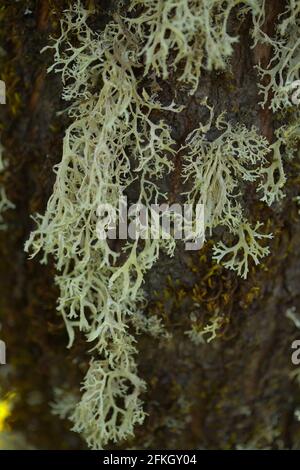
238, 391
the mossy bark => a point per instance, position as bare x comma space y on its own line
235, 391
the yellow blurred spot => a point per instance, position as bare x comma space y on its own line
4, 413
5, 410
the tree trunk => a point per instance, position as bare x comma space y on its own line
237, 391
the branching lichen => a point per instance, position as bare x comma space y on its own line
111, 143
207, 333
114, 144
280, 86
218, 168
247, 247
283, 70
186, 34
273, 177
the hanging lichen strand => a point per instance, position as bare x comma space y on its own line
113, 143
282, 77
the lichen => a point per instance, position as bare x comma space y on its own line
116, 142
246, 247
218, 168
279, 86
189, 35
220, 171
207, 333
111, 143
283, 69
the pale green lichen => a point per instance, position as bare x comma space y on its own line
188, 35
248, 246
64, 402
151, 325
217, 168
274, 179
113, 143
283, 69
110, 406
207, 333
280, 88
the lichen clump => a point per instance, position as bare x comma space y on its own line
111, 143
116, 142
